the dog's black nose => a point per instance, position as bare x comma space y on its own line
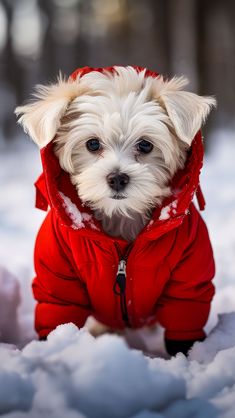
117, 181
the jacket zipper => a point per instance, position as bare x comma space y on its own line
119, 286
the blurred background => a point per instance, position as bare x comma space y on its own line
192, 37
38, 38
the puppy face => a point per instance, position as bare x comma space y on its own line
120, 136
119, 149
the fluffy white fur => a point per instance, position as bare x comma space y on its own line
120, 109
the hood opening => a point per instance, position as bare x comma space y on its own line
55, 189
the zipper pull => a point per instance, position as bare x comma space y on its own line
120, 282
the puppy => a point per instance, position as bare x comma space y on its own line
121, 152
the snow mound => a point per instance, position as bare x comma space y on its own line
97, 377
73, 374
220, 338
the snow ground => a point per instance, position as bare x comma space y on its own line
73, 375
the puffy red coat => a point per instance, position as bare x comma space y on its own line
169, 267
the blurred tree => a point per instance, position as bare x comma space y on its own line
183, 39
12, 76
216, 34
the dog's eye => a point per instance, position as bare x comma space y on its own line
93, 144
144, 146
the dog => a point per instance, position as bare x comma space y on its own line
121, 152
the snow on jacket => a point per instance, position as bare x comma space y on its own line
169, 268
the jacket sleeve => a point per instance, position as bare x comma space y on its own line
61, 296
185, 305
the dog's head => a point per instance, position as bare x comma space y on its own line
121, 135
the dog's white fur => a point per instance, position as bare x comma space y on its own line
119, 108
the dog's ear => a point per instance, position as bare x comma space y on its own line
187, 111
41, 118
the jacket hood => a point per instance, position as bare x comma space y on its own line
55, 189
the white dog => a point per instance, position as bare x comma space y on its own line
122, 135
121, 150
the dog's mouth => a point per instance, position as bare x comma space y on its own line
118, 196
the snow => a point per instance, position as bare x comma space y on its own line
74, 375
78, 218
217, 181
167, 210
73, 364
102, 378
73, 212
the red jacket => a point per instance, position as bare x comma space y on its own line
169, 267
